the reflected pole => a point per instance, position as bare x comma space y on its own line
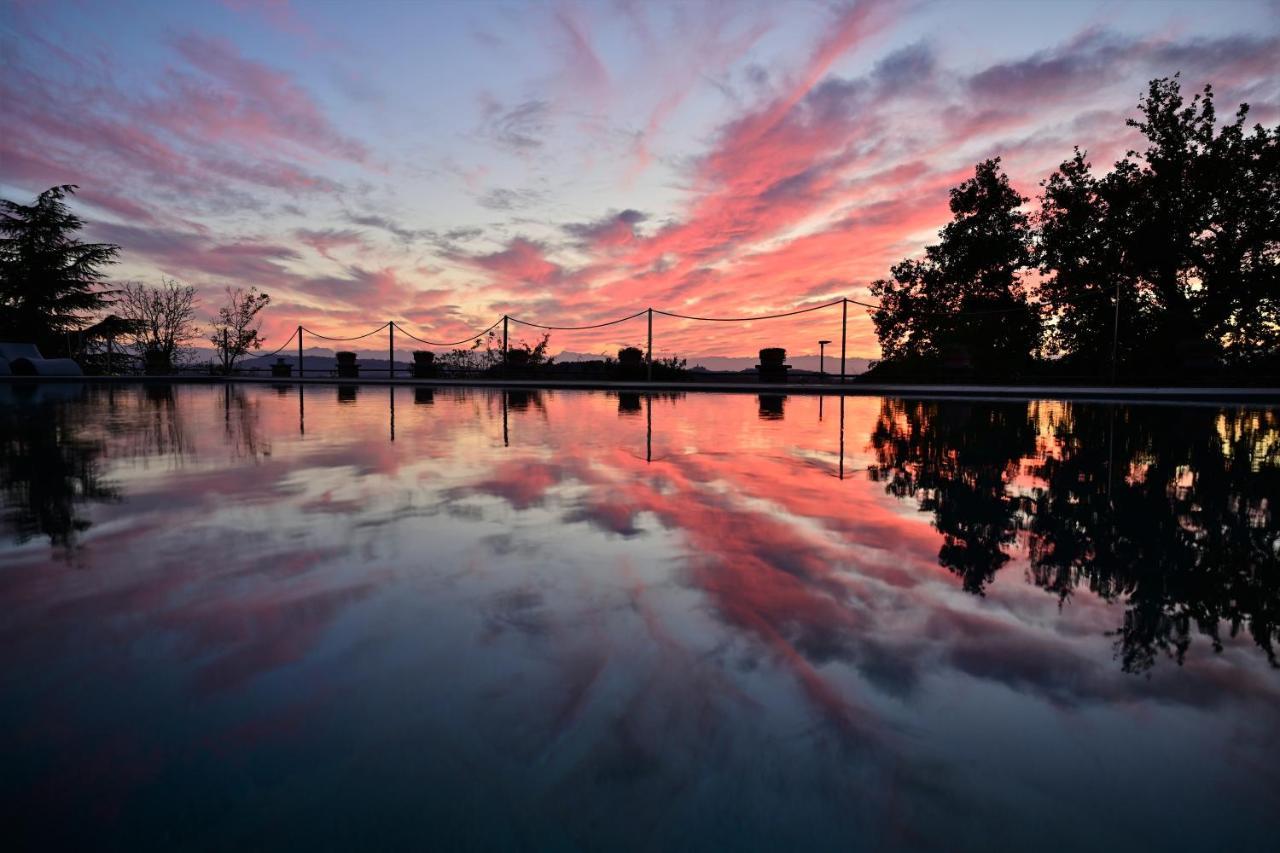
302, 412
506, 438
841, 436
648, 430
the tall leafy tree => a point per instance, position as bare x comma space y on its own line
50, 281
1184, 234
967, 294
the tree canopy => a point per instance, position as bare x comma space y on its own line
1182, 237
967, 294
50, 281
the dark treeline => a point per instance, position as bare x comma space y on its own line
1168, 510
1183, 238
53, 286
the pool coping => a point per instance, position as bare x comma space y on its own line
1097, 392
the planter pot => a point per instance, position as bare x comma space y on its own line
424, 364
631, 356
772, 357
155, 364
347, 367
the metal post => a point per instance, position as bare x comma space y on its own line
391, 358
844, 334
301, 371
504, 353
649, 356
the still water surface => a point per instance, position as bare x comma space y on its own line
237, 617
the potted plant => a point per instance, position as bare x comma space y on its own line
771, 367
156, 364
631, 356
772, 357
347, 366
424, 363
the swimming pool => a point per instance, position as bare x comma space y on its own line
344, 616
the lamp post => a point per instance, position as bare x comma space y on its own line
822, 359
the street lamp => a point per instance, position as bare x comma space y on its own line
822, 355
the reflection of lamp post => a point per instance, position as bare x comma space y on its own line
822, 353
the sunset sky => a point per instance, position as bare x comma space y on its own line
444, 163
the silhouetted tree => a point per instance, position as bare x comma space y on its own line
236, 329
1081, 251
159, 320
49, 280
1186, 232
966, 295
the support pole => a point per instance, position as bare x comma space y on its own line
649, 355
505, 358
391, 359
844, 334
301, 371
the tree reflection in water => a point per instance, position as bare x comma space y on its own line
50, 463
1170, 509
56, 441
957, 460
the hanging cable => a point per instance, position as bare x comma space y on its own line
285, 344
476, 336
356, 338
578, 328
747, 319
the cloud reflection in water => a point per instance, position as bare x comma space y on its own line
615, 620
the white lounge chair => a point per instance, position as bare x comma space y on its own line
26, 360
